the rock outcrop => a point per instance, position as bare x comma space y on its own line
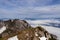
35, 34
13, 27
24, 31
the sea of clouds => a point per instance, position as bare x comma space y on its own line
43, 23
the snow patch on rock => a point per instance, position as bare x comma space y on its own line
13, 38
2, 29
42, 38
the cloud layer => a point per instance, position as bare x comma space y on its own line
29, 8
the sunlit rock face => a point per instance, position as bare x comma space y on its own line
13, 27
16, 24
21, 30
37, 33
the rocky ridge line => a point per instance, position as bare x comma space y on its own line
24, 31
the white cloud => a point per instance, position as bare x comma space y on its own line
30, 7
27, 10
31, 11
25, 3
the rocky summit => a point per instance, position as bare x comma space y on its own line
23, 31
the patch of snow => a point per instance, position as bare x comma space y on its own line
2, 29
13, 38
42, 38
51, 29
36, 34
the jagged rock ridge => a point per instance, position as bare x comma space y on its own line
23, 31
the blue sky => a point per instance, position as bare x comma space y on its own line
29, 8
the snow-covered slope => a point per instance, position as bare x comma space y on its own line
51, 29
2, 29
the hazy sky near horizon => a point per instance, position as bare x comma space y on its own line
29, 8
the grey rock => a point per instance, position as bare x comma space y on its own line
14, 27
24, 31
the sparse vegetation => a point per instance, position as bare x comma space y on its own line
1, 38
